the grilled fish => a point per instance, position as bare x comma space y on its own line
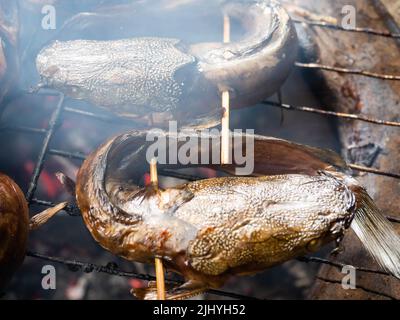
140, 77
298, 199
15, 226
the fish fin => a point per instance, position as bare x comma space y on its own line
67, 182
145, 193
204, 122
274, 156
41, 218
169, 200
148, 293
173, 198
376, 233
188, 290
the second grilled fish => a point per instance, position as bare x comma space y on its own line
140, 77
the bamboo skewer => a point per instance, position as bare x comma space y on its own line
225, 104
225, 129
227, 29
160, 280
153, 173
225, 137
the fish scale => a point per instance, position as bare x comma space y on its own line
143, 71
153, 80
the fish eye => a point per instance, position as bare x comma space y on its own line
313, 245
52, 71
74, 91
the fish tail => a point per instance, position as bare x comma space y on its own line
376, 233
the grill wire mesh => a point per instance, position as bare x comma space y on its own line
56, 120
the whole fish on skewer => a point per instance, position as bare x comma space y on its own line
153, 78
298, 199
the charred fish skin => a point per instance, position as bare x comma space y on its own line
255, 223
139, 76
250, 223
14, 228
123, 73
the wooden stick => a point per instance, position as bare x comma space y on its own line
158, 262
153, 172
160, 279
225, 129
227, 29
225, 104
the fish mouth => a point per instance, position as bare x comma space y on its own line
256, 66
191, 83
